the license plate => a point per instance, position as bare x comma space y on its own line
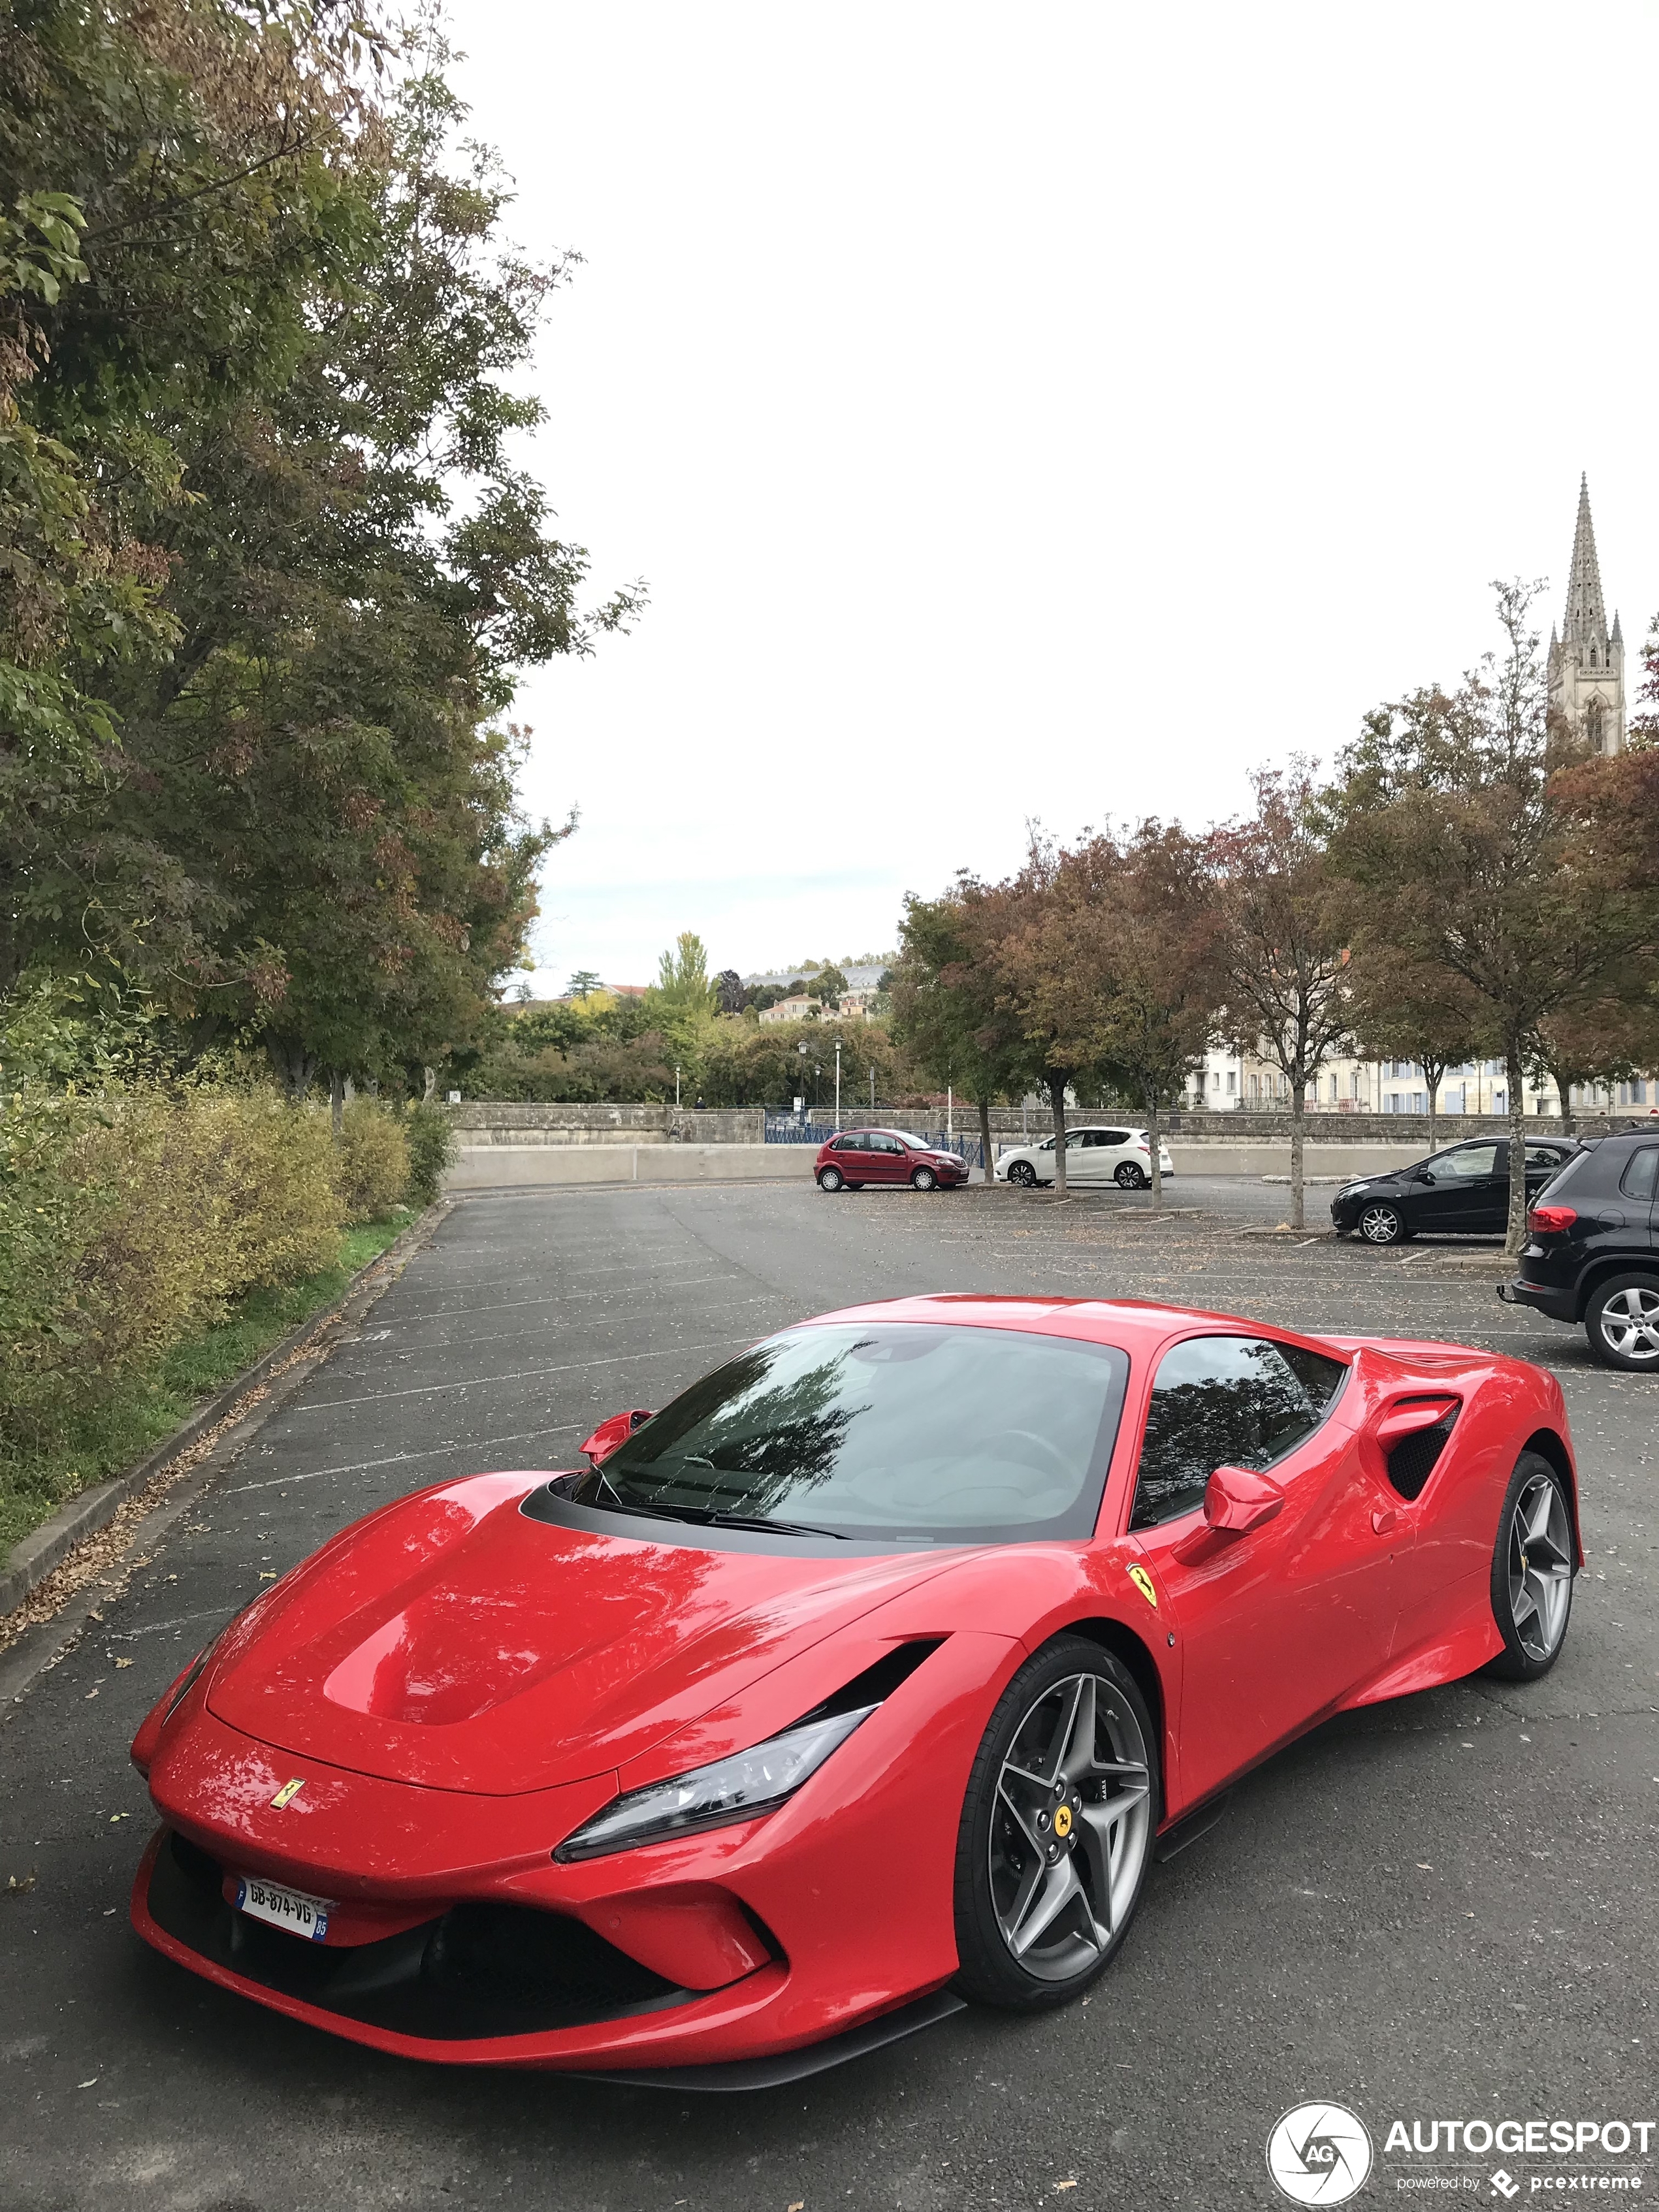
283, 1908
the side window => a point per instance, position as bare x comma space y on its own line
852, 1144
1224, 1402
1473, 1160
1640, 1177
889, 1144
1115, 1138
1046, 1146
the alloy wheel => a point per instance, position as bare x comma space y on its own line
1630, 1323
1023, 1173
1072, 1825
1539, 1567
1128, 1177
1380, 1225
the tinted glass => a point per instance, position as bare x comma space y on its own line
1114, 1138
1224, 1401
1545, 1155
850, 1144
1639, 1178
894, 1428
1466, 1160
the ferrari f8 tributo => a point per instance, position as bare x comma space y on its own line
866, 1678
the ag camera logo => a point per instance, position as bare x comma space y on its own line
1318, 2153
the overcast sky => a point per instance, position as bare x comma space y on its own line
1044, 412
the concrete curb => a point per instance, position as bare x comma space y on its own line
47, 1547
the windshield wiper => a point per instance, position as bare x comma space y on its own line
704, 1516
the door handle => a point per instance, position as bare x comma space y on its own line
1383, 1519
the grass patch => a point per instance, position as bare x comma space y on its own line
146, 1408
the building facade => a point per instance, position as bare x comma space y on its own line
1586, 666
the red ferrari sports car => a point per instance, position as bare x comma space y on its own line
864, 1679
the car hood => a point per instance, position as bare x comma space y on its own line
455, 1643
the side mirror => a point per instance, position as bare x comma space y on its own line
1236, 1499
1421, 1174
610, 1434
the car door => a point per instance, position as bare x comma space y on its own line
1457, 1191
1084, 1158
1116, 1145
1280, 1622
887, 1157
851, 1156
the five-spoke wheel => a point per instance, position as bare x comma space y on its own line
1057, 1828
1622, 1323
1532, 1570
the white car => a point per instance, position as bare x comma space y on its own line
1092, 1156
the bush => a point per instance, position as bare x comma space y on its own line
371, 1161
130, 1221
431, 1139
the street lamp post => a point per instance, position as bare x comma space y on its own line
677, 1087
801, 1049
838, 1083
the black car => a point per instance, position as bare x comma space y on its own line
1593, 1252
1461, 1192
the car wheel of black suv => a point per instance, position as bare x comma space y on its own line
1532, 1569
1056, 1831
1382, 1225
1622, 1323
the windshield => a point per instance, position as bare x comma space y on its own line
916, 1144
891, 1429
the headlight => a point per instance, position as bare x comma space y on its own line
736, 1789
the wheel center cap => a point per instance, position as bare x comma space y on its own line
1063, 1822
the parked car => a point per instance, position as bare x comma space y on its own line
1092, 1156
867, 1677
855, 1157
1594, 1251
1464, 1191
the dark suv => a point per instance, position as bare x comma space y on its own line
1593, 1251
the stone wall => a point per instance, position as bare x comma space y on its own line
480, 1123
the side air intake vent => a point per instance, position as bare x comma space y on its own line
1414, 1458
876, 1683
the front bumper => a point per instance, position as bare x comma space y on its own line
1557, 1304
457, 1937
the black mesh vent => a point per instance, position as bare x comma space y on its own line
476, 1970
1412, 1463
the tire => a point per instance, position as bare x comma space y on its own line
1622, 1323
830, 1179
1532, 1571
1127, 1177
1015, 1860
924, 1179
1023, 1174
1383, 1224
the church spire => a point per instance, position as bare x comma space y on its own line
1587, 616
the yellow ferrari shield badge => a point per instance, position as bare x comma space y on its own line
288, 1792
1063, 1822
1143, 1582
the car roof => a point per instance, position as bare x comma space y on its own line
1132, 1323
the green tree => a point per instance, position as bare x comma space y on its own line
945, 1014
583, 984
1492, 849
1284, 922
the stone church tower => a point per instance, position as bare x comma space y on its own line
1586, 664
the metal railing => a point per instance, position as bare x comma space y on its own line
786, 1128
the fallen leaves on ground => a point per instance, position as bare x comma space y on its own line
14, 1888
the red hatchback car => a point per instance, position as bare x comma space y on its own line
855, 1157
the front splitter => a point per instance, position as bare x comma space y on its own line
785, 2066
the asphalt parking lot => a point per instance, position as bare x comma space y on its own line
1442, 1907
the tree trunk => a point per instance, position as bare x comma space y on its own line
985, 1140
428, 1083
1517, 1228
1057, 1102
336, 1104
1569, 1119
1154, 1147
1298, 1121
1433, 1077
293, 1066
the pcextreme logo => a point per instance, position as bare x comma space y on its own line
1318, 2153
